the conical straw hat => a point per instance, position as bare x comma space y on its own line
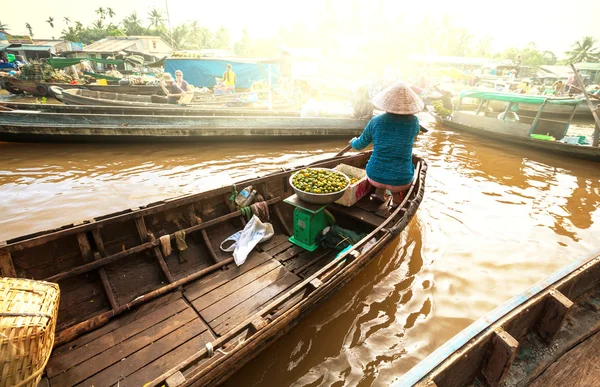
398, 99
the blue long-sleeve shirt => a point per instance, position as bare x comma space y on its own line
393, 137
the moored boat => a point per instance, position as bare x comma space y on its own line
31, 126
540, 133
42, 89
547, 335
133, 314
100, 98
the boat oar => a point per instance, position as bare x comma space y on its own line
422, 129
596, 138
6, 109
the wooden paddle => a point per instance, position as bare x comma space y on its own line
422, 129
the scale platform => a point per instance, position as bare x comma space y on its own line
309, 220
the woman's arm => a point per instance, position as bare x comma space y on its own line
165, 90
365, 138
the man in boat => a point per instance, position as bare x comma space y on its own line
285, 71
172, 92
392, 134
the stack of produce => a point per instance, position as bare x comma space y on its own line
440, 110
46, 73
319, 181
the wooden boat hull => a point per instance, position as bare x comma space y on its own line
550, 111
42, 89
90, 349
149, 111
521, 339
23, 126
83, 97
582, 152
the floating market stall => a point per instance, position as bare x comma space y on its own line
201, 72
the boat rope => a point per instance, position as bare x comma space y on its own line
234, 194
240, 342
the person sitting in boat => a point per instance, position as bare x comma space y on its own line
392, 134
172, 92
558, 87
181, 83
229, 79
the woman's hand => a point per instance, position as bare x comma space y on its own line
352, 139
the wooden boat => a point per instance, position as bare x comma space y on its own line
545, 336
485, 123
100, 98
42, 89
169, 111
31, 126
130, 315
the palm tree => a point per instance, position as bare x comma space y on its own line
28, 26
133, 25
3, 27
67, 20
110, 12
98, 24
101, 12
157, 20
584, 50
50, 21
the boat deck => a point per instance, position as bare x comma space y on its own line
140, 345
580, 367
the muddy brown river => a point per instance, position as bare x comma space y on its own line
495, 220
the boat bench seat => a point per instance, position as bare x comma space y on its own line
231, 296
133, 348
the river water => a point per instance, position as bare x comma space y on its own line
495, 220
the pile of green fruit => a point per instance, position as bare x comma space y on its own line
440, 110
319, 181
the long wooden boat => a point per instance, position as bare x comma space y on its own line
101, 98
42, 89
132, 315
546, 336
485, 123
169, 111
31, 126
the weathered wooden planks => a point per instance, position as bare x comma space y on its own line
239, 285
364, 216
125, 319
121, 350
232, 295
205, 285
77, 355
167, 361
122, 369
577, 368
242, 311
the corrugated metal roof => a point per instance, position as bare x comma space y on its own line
110, 45
40, 42
588, 66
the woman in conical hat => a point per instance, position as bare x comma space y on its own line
393, 135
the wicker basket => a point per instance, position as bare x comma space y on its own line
28, 311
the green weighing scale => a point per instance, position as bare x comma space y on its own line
309, 220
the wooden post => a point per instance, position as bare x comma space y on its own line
479, 107
556, 308
88, 256
501, 355
536, 119
595, 141
7, 268
143, 232
506, 112
568, 123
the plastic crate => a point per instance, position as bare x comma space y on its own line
357, 190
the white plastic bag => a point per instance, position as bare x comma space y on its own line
254, 233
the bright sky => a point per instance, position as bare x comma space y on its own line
511, 24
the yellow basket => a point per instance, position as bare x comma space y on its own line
28, 312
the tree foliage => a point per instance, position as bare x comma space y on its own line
584, 50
